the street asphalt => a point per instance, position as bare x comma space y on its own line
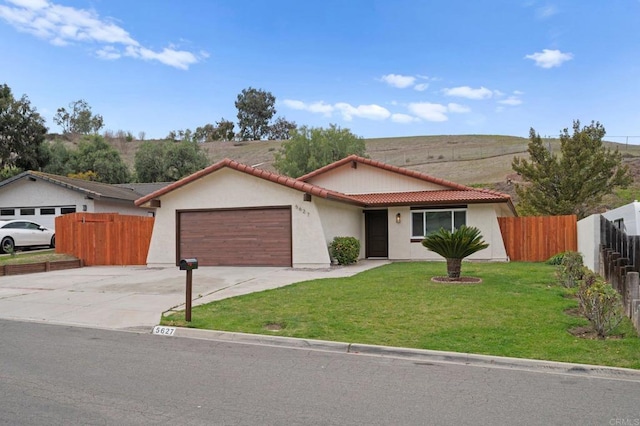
133, 298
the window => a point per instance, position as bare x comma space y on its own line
619, 223
424, 222
66, 210
27, 212
48, 210
7, 212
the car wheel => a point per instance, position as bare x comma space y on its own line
53, 242
7, 245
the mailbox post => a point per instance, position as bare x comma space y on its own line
188, 265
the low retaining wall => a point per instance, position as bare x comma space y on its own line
30, 268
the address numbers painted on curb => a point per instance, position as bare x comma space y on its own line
164, 331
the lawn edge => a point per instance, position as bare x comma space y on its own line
425, 355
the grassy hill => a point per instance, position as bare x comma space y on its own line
479, 160
466, 159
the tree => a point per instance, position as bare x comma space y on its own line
311, 148
281, 129
455, 246
255, 109
168, 161
79, 120
183, 159
59, 159
225, 129
94, 154
206, 133
22, 133
575, 181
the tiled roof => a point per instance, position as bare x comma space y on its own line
449, 196
457, 194
262, 174
91, 189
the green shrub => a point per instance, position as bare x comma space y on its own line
600, 304
571, 269
455, 246
345, 250
556, 259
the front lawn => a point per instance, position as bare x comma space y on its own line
518, 311
23, 257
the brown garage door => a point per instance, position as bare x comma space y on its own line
239, 237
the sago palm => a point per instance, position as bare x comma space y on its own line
455, 246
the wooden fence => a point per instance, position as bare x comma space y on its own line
104, 238
620, 265
537, 238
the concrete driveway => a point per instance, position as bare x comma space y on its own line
129, 297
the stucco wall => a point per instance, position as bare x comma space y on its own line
341, 220
482, 216
630, 214
26, 193
228, 188
589, 241
101, 206
366, 179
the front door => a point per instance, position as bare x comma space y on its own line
376, 233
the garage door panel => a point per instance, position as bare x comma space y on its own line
249, 237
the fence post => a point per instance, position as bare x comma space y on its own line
632, 289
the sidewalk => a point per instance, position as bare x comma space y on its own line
116, 297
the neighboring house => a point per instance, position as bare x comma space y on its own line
626, 218
41, 197
233, 214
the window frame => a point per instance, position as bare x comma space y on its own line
424, 211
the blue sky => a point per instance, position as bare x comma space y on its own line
379, 68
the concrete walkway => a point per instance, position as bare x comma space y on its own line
130, 297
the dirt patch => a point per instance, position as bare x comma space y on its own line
461, 280
274, 326
573, 312
586, 332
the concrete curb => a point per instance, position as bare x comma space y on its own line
423, 355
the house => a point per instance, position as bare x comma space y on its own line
626, 218
233, 214
41, 197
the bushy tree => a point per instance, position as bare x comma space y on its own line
255, 110
59, 159
313, 147
183, 159
79, 119
168, 161
281, 129
573, 182
225, 129
22, 133
96, 155
455, 246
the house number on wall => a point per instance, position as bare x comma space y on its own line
304, 211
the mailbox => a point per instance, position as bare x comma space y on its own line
188, 264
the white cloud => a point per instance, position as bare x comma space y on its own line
457, 108
403, 118
429, 111
468, 92
64, 25
108, 52
549, 58
316, 107
421, 87
399, 81
511, 100
372, 112
348, 111
518, 92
